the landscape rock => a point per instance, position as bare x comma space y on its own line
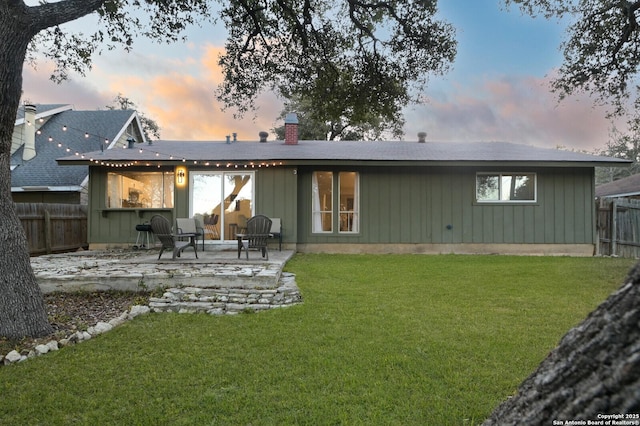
138, 310
52, 345
42, 349
65, 342
13, 356
117, 321
102, 327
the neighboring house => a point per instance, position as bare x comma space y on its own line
354, 197
628, 187
43, 133
618, 221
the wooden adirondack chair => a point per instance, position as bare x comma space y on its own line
256, 236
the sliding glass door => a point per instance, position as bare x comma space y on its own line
224, 201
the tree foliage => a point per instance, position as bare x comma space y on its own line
370, 58
315, 125
621, 144
367, 56
601, 49
149, 126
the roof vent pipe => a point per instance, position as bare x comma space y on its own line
291, 129
263, 136
235, 136
228, 139
131, 143
422, 137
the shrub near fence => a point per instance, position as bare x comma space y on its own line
52, 228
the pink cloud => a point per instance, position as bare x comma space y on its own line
37, 88
177, 93
516, 109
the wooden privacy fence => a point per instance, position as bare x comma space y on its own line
53, 228
618, 227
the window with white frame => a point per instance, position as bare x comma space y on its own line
505, 187
140, 190
345, 207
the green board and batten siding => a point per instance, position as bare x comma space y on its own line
276, 196
398, 205
415, 205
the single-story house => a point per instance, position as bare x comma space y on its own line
354, 196
42, 132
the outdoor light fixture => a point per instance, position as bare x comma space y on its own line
181, 176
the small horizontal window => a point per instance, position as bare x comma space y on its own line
139, 189
505, 187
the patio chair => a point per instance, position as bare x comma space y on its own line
161, 227
190, 226
256, 236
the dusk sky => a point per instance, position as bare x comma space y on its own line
497, 90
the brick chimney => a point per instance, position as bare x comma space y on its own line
291, 129
29, 150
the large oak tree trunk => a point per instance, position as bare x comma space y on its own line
22, 308
595, 370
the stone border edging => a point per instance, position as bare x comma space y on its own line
181, 300
77, 337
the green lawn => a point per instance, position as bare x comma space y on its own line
390, 340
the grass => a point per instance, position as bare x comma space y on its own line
393, 340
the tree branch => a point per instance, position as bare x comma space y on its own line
629, 9
51, 14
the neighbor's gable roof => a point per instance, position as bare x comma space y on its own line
620, 188
315, 152
43, 170
42, 111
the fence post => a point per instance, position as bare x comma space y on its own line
614, 227
47, 231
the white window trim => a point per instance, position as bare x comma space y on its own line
500, 175
316, 213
